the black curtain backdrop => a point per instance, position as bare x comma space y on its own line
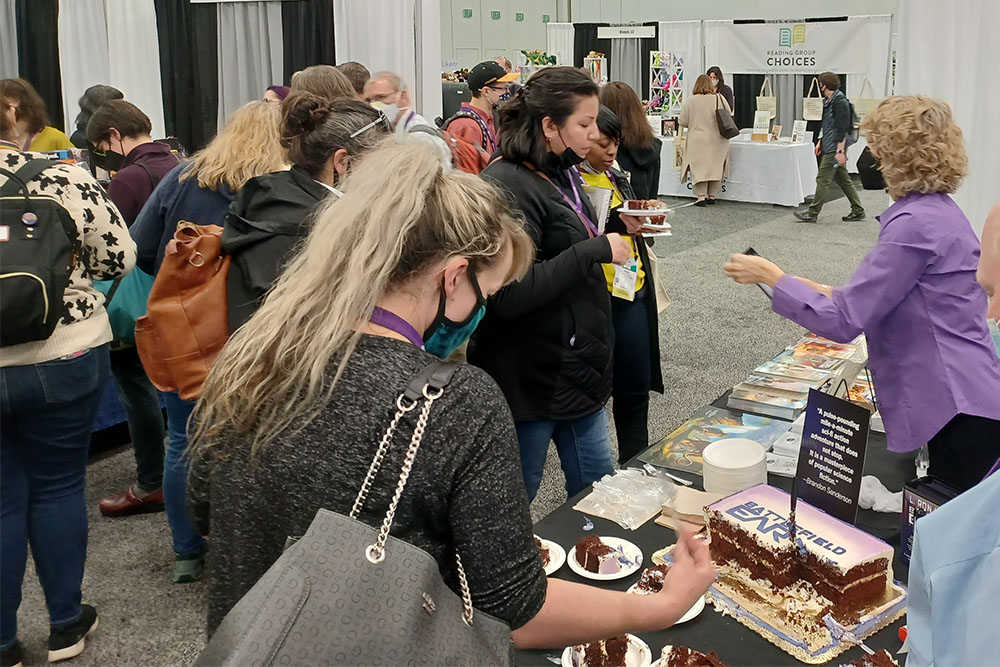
585, 40
189, 69
307, 35
746, 87
38, 52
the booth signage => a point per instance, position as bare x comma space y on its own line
626, 32
794, 48
546, 18
466, 13
834, 443
518, 16
495, 16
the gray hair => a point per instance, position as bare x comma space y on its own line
393, 79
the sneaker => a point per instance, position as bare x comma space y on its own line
188, 569
68, 641
12, 656
853, 217
805, 216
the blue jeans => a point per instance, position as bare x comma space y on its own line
583, 446
145, 416
46, 413
187, 540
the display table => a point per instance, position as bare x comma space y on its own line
711, 631
764, 173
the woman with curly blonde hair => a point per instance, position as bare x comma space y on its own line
915, 296
199, 191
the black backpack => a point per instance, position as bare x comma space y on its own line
479, 121
37, 253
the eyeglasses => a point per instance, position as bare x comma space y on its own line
382, 118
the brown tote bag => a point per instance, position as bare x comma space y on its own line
186, 325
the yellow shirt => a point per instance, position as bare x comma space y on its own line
50, 139
602, 181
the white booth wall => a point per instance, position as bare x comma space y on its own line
471, 40
611, 11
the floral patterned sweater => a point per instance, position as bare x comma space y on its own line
107, 252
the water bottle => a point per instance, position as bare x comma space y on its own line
923, 462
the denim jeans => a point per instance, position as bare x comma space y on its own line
145, 416
46, 414
630, 382
187, 540
583, 445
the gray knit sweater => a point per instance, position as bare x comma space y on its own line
465, 491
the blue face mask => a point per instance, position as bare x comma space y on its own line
445, 336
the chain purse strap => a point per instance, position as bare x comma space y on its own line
427, 386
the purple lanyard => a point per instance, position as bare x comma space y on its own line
394, 322
577, 203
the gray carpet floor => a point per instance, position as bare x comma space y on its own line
713, 333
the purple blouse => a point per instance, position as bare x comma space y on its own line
916, 298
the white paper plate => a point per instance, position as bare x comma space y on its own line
557, 556
643, 212
650, 234
638, 654
693, 612
632, 552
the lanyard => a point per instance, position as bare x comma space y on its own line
995, 468
31, 137
394, 322
576, 204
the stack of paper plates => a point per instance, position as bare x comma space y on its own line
733, 464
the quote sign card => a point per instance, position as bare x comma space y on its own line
832, 458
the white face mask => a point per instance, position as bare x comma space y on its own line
715, 83
391, 111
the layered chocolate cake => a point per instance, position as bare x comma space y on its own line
800, 597
681, 656
651, 580
595, 556
877, 659
606, 653
544, 551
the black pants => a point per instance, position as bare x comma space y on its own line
630, 384
145, 416
964, 450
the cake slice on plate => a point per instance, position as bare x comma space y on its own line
682, 656
595, 556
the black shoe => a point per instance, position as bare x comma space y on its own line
68, 641
805, 216
12, 656
854, 217
711, 202
701, 202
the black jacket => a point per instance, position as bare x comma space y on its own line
268, 218
615, 224
547, 339
644, 167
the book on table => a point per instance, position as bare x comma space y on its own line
682, 448
789, 369
752, 399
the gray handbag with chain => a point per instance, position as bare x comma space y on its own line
348, 594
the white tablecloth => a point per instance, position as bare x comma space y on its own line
766, 173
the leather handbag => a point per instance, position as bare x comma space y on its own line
185, 325
812, 107
727, 125
346, 593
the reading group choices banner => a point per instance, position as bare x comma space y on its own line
796, 48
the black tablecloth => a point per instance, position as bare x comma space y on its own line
710, 631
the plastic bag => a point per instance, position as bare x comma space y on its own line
630, 497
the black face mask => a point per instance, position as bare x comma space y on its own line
109, 161
567, 160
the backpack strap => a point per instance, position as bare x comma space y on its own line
462, 113
18, 181
152, 179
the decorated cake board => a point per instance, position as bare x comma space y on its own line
788, 616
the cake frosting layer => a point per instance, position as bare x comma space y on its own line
762, 513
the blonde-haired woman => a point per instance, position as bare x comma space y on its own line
200, 191
298, 400
706, 155
915, 296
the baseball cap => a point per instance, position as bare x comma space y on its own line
489, 72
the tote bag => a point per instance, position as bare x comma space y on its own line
862, 104
812, 107
767, 102
346, 593
125, 300
727, 126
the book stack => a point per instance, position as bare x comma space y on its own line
780, 387
862, 392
